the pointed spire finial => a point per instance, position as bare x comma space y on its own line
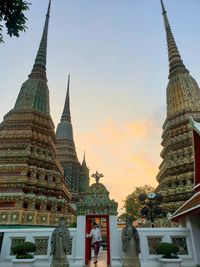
84, 165
49, 7
175, 61
84, 156
163, 7
39, 67
66, 111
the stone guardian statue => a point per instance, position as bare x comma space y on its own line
130, 245
60, 240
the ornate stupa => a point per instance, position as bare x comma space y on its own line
32, 186
76, 174
176, 172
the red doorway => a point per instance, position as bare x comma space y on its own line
89, 220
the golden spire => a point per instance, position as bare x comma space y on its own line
175, 61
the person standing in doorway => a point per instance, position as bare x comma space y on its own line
96, 240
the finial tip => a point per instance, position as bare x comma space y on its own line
49, 7
163, 7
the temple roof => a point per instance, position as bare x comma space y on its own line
190, 207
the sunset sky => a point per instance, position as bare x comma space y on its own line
115, 51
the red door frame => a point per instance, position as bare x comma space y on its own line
88, 240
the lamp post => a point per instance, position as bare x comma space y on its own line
151, 209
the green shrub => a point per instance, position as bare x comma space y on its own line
168, 250
24, 250
73, 225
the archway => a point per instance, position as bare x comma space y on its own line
97, 205
105, 236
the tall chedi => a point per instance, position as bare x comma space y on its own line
176, 172
32, 186
76, 175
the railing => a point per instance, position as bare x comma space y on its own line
149, 237
40, 236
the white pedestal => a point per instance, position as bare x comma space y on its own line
23, 262
170, 262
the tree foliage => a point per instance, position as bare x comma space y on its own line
12, 16
132, 205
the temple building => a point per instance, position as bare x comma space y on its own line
176, 172
76, 174
33, 190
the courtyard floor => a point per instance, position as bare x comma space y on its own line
101, 260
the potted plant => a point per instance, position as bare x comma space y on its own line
24, 254
170, 254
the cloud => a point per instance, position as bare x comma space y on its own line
126, 153
110, 132
144, 162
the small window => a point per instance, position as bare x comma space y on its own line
42, 245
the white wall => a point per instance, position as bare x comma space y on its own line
165, 234
193, 223
77, 256
30, 235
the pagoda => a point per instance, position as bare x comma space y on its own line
32, 186
176, 172
76, 174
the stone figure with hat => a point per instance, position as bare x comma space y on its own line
130, 245
60, 240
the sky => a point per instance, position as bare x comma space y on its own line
116, 54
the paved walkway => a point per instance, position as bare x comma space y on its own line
101, 260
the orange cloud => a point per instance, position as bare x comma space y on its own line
110, 132
126, 153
